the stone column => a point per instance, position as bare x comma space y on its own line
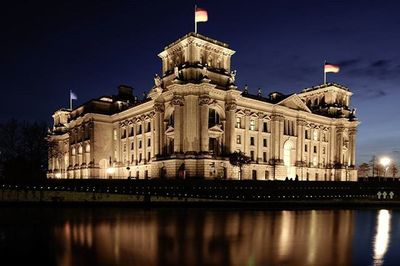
230, 136
159, 108
352, 140
260, 138
178, 102
246, 137
300, 141
144, 140
204, 109
339, 144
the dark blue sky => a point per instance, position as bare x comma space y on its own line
48, 48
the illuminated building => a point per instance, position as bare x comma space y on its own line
195, 116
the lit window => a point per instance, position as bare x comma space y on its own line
238, 139
238, 122
315, 161
315, 135
252, 124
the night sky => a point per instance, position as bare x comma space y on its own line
48, 48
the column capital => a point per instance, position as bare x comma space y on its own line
178, 100
230, 106
352, 132
301, 122
204, 100
158, 107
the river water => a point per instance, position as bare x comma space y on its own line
169, 236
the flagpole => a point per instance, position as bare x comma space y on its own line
195, 22
324, 72
70, 100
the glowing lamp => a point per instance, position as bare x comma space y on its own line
384, 161
110, 170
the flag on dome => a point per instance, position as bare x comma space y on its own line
201, 15
331, 68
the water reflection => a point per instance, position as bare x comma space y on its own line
382, 237
199, 237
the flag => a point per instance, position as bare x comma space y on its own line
73, 96
331, 68
201, 15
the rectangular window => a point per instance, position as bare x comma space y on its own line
123, 135
148, 156
252, 141
305, 148
265, 127
264, 156
238, 139
140, 144
315, 149
252, 124
306, 134
140, 157
238, 122
139, 129
265, 142
148, 142
132, 158
252, 155
148, 126
131, 132
132, 145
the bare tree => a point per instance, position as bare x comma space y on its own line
363, 170
393, 169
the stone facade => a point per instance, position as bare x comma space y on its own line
195, 116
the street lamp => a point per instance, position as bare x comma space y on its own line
385, 161
110, 171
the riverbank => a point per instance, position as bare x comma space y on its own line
207, 193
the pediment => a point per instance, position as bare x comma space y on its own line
217, 129
294, 102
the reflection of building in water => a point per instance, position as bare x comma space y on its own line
210, 238
382, 237
110, 242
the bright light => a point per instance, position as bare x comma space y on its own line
110, 170
382, 237
58, 175
385, 161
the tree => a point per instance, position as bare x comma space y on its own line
363, 170
23, 150
239, 159
393, 169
